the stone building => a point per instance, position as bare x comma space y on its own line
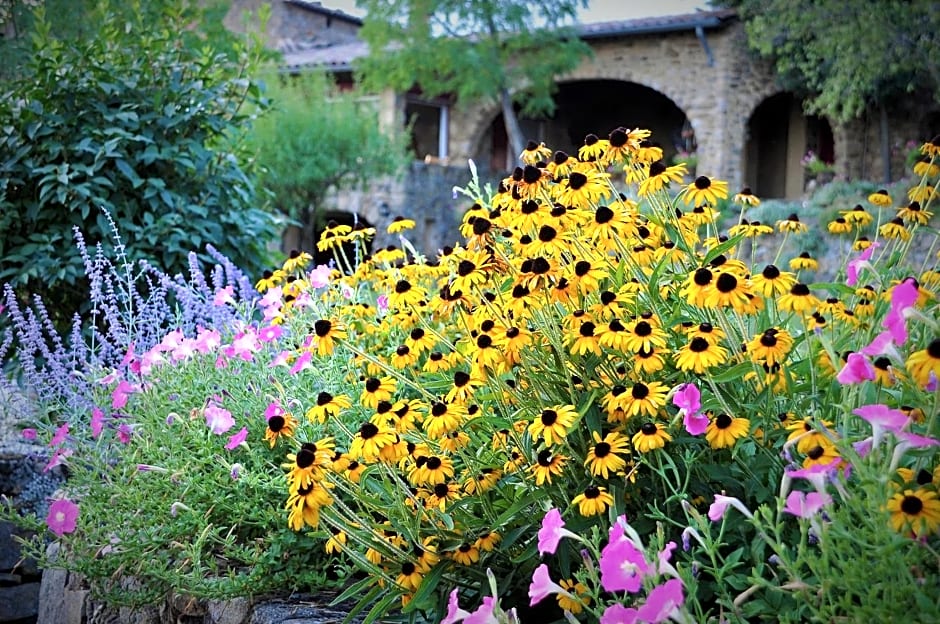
688, 78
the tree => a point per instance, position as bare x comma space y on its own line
848, 56
316, 139
138, 122
502, 50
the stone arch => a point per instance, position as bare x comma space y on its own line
589, 106
778, 137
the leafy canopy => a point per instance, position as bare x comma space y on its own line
316, 138
471, 48
846, 56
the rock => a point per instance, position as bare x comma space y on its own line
19, 602
10, 555
297, 610
233, 611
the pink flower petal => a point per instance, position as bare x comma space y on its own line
235, 439
856, 370
62, 516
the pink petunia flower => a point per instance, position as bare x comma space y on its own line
218, 419
303, 362
272, 298
124, 433
803, 505
903, 296
882, 418
120, 393
207, 340
62, 517
58, 458
224, 296
623, 566
97, 422
236, 439
28, 434
852, 268
856, 370
270, 333
381, 303
542, 586
662, 601
552, 531
61, 433
688, 400
619, 614
717, 509
484, 613
320, 276
454, 612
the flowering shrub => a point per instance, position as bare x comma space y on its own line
815, 165
593, 406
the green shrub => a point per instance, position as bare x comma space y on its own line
134, 122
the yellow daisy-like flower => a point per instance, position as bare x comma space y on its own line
405, 294
553, 423
650, 437
772, 281
699, 355
705, 190
535, 153
914, 213
921, 193
916, 511
593, 148
296, 260
880, 198
839, 226
924, 363
327, 332
579, 591
409, 578
466, 554
444, 418
547, 463
858, 216
804, 261
369, 441
792, 225
660, 176
895, 228
400, 224
770, 347
581, 190
604, 457
376, 390
723, 431
746, 197
644, 398
282, 424
799, 299
926, 169
593, 501
270, 279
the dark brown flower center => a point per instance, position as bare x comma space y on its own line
549, 417
912, 505
322, 328
723, 421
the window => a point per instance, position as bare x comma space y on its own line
428, 122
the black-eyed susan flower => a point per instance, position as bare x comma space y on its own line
698, 286
587, 274
296, 260
307, 465
809, 434
594, 500
650, 437
369, 441
605, 456
419, 340
804, 261
403, 357
454, 441
730, 290
405, 294
895, 228
376, 390
409, 577
610, 223
705, 190
645, 334
337, 541
483, 481
648, 362
437, 362
821, 455
723, 431
916, 511
799, 299
926, 168
857, 216
576, 597
552, 423
771, 281
400, 224
581, 189
444, 418
488, 541
561, 164
861, 243
771, 346
584, 338
746, 197
921, 193
698, 355
791, 225
304, 505
593, 148
924, 363
880, 198
431, 470
280, 424
660, 176
547, 463
644, 399
914, 213
438, 496
535, 153
839, 226
466, 554
270, 279
327, 332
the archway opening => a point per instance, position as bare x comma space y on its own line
594, 106
784, 147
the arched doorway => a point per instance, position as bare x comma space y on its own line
594, 106
779, 137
